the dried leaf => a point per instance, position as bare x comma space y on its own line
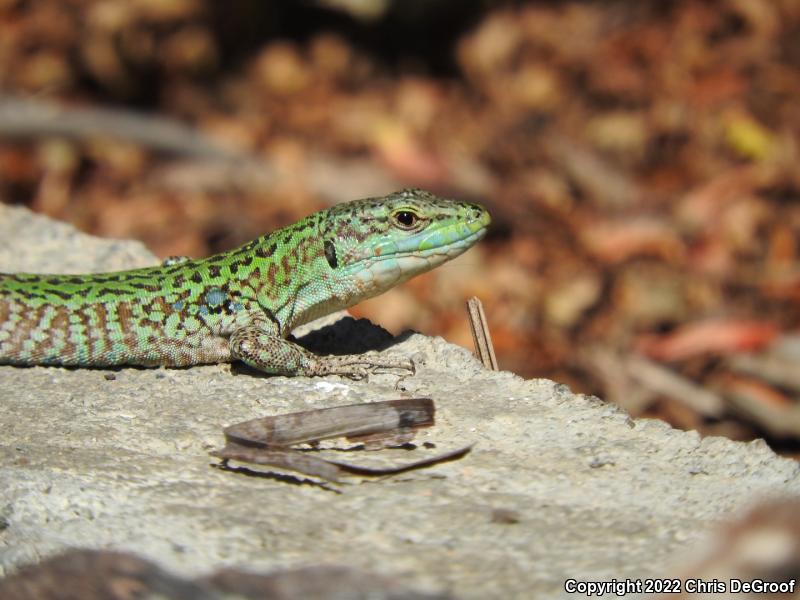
714, 336
268, 441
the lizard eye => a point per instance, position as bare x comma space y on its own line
405, 219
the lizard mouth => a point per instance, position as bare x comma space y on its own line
396, 261
450, 249
448, 240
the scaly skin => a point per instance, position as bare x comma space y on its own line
241, 304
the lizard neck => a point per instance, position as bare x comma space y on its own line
292, 277
294, 274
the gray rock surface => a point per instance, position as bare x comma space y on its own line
558, 485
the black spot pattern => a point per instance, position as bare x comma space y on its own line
330, 254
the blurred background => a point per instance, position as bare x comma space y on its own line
640, 160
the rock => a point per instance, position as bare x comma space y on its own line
559, 486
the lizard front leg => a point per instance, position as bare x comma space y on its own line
264, 349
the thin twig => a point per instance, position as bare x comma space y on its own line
484, 349
25, 118
669, 383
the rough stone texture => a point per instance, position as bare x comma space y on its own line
558, 486
31, 243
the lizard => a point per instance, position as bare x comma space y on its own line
241, 304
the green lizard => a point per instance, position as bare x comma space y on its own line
241, 304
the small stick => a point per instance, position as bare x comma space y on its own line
484, 349
26, 118
666, 381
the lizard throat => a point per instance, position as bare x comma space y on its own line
376, 274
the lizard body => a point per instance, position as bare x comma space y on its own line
240, 304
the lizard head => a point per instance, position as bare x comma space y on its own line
376, 243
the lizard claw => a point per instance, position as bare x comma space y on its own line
359, 368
